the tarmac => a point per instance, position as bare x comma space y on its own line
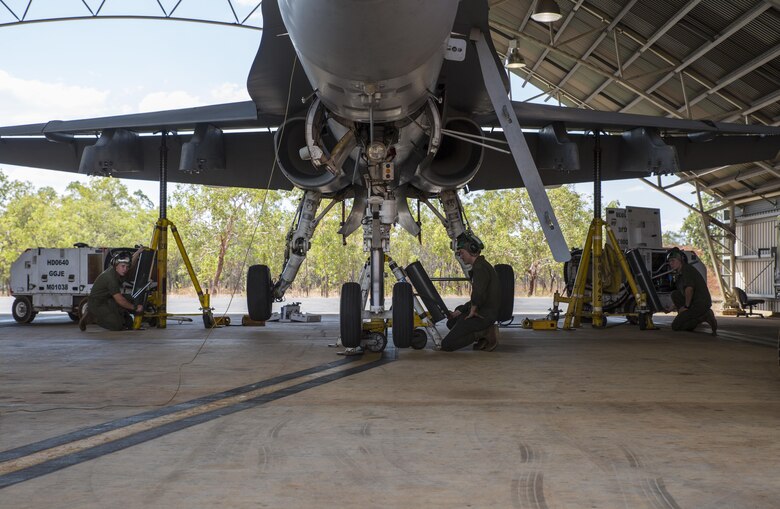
273, 417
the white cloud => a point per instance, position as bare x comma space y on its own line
229, 92
36, 101
157, 101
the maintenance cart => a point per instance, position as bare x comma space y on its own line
56, 279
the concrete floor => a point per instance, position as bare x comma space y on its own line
588, 418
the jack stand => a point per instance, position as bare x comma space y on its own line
594, 248
157, 300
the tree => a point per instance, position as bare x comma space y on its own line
224, 230
694, 234
99, 213
508, 224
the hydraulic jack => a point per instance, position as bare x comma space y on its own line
156, 301
592, 255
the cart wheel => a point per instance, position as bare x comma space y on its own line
351, 315
81, 310
22, 310
631, 308
376, 342
259, 292
419, 339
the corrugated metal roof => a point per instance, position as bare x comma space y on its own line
642, 88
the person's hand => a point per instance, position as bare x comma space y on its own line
453, 314
473, 312
139, 309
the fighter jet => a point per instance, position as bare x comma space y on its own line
381, 102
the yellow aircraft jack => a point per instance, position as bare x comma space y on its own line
156, 302
594, 250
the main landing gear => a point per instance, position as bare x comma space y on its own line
363, 330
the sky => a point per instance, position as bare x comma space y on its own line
100, 67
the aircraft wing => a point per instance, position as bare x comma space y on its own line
631, 145
226, 140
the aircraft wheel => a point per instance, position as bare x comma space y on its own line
22, 310
208, 322
259, 292
506, 280
376, 342
351, 315
403, 315
419, 339
73, 316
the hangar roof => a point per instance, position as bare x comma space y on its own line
703, 59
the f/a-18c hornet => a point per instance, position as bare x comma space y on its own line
402, 100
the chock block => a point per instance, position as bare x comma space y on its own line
540, 324
248, 322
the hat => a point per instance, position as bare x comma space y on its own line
676, 253
470, 242
121, 257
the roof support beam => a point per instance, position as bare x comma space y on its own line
757, 192
736, 74
558, 34
658, 34
713, 220
598, 70
738, 177
754, 106
596, 43
728, 32
689, 177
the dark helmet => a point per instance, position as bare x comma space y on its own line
470, 242
677, 253
121, 257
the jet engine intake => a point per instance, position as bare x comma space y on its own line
290, 142
457, 160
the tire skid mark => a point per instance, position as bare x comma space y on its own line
529, 491
274, 431
662, 497
366, 429
527, 453
264, 458
631, 457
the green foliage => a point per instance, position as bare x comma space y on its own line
99, 213
673, 238
694, 234
224, 230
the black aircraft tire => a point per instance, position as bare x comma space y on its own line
22, 310
73, 316
506, 280
403, 315
259, 297
351, 315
